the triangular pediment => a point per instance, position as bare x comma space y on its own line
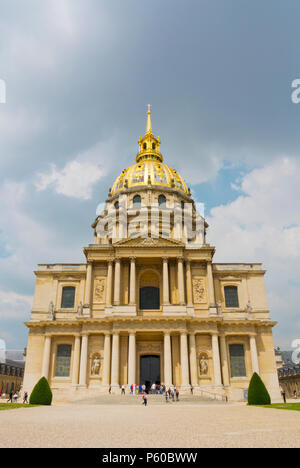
148, 242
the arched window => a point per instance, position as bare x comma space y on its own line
231, 296
144, 146
149, 291
63, 360
153, 146
136, 202
237, 360
116, 205
68, 297
162, 201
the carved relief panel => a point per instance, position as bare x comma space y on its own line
99, 289
199, 290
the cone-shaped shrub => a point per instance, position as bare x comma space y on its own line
257, 392
41, 394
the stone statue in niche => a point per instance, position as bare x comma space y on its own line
96, 362
203, 365
99, 289
199, 290
51, 311
80, 309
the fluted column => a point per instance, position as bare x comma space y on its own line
117, 281
180, 281
166, 296
46, 357
83, 359
224, 360
106, 362
132, 297
216, 360
76, 360
88, 285
132, 359
167, 359
109, 283
254, 357
115, 360
193, 360
184, 359
189, 288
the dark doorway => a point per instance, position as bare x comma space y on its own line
149, 298
150, 371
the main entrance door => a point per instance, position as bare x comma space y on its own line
150, 370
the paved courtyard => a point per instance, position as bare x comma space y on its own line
188, 424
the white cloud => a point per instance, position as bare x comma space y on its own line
78, 177
14, 306
263, 225
75, 180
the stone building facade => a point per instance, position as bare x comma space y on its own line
149, 305
11, 376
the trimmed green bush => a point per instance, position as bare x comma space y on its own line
41, 394
257, 392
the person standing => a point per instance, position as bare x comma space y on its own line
123, 390
15, 397
25, 398
177, 394
144, 399
283, 396
192, 389
10, 399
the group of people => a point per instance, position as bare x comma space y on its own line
12, 397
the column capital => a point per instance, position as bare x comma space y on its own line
180, 259
117, 259
86, 334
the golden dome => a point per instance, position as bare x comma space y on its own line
149, 172
149, 168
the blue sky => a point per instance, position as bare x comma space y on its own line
218, 75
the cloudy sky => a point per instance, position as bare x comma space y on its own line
218, 74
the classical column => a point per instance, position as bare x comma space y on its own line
76, 360
216, 360
109, 283
193, 360
184, 359
88, 285
211, 289
180, 281
46, 356
189, 289
83, 359
254, 357
132, 359
117, 281
115, 360
224, 360
106, 361
132, 296
166, 297
167, 359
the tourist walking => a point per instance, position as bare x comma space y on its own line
192, 389
177, 394
283, 396
123, 390
144, 397
25, 398
10, 399
166, 395
16, 397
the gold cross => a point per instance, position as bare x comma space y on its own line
149, 107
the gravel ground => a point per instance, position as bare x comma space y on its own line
157, 426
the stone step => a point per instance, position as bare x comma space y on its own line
152, 400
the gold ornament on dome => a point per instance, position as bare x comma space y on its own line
149, 168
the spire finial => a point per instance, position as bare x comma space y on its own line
149, 125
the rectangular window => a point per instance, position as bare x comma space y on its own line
68, 297
237, 360
231, 296
63, 361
